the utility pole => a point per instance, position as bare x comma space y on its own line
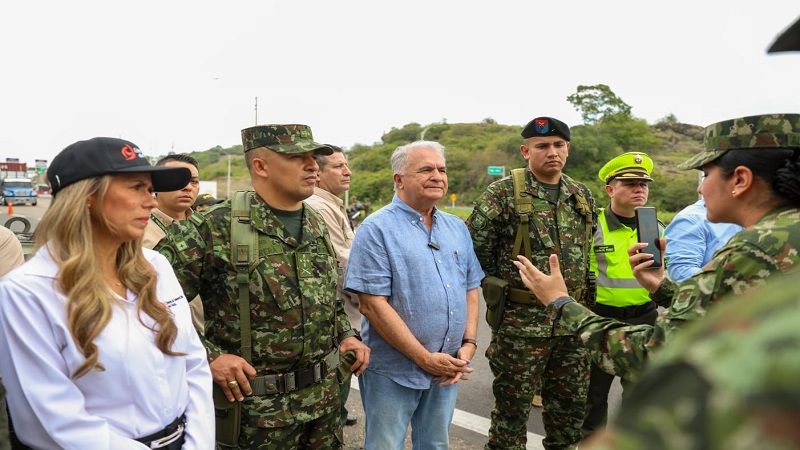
256, 108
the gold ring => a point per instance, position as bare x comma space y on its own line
232, 384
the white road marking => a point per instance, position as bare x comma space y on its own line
476, 423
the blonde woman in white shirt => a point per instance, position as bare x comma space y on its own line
97, 348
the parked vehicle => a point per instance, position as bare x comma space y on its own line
18, 191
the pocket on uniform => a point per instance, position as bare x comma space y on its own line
274, 277
318, 272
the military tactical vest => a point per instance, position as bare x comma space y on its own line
244, 253
523, 205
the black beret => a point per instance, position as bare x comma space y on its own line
545, 126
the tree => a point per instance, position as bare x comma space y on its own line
597, 102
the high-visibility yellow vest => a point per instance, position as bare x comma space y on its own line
616, 285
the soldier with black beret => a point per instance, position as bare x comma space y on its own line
536, 211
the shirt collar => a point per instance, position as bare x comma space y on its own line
611, 219
410, 212
536, 188
42, 263
162, 217
328, 196
263, 219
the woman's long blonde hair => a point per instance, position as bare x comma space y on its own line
67, 232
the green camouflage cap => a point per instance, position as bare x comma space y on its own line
756, 132
288, 139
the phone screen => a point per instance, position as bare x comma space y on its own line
647, 229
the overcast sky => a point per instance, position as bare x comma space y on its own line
183, 76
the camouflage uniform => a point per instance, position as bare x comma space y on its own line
526, 346
296, 319
697, 396
747, 260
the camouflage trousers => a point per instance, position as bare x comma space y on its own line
323, 433
519, 365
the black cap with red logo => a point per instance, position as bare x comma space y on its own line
103, 156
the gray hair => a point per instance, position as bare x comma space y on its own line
400, 154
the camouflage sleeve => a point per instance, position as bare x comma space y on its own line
483, 229
680, 394
735, 269
664, 294
343, 328
185, 247
593, 205
616, 347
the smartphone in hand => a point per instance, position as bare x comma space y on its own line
647, 230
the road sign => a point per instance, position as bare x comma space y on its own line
496, 171
453, 198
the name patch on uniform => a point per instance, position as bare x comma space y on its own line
604, 249
174, 301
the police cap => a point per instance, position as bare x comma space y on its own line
627, 166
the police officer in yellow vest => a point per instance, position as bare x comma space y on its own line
627, 179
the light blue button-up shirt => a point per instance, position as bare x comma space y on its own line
692, 240
425, 274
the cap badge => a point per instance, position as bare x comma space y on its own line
130, 153
541, 126
637, 159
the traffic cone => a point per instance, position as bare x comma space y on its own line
10, 208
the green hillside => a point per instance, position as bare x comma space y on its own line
471, 147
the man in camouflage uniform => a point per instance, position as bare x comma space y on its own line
296, 321
526, 347
728, 382
769, 209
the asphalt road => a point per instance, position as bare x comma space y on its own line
475, 398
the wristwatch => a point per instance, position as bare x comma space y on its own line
554, 309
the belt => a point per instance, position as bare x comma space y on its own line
523, 296
170, 438
283, 383
624, 312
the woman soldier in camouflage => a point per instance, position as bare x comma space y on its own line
752, 178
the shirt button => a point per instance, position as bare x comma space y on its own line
447, 285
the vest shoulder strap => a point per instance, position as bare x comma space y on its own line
244, 252
524, 208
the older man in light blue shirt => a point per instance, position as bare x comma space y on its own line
692, 240
417, 277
